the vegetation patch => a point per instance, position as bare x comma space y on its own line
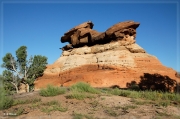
74, 94
163, 98
5, 101
27, 101
53, 106
81, 116
52, 91
111, 112
84, 87
81, 91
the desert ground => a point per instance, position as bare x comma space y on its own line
94, 106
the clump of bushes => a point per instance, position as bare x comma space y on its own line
52, 91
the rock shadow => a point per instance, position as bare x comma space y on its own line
155, 82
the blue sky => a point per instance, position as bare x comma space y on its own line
40, 24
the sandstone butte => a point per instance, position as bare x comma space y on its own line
110, 58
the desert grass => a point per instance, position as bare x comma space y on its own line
81, 91
52, 91
53, 106
5, 101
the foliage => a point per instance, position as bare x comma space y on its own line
37, 67
76, 95
52, 91
19, 111
10, 81
21, 68
5, 101
83, 87
79, 91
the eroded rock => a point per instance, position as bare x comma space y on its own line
83, 34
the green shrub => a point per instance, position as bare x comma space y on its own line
115, 91
19, 111
76, 95
125, 93
5, 101
52, 91
84, 87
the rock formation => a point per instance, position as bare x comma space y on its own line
102, 59
84, 35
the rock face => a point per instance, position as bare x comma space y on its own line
102, 59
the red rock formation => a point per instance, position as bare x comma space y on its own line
104, 65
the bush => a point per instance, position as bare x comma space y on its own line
84, 87
115, 91
80, 91
52, 91
5, 101
76, 95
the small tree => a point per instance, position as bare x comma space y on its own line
10, 81
21, 68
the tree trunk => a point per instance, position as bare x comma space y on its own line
27, 87
17, 90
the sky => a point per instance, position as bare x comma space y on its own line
39, 24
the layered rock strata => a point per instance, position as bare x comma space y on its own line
103, 64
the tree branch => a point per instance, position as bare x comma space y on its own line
12, 63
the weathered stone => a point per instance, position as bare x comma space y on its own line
67, 47
84, 40
120, 26
67, 35
65, 53
99, 37
135, 48
84, 35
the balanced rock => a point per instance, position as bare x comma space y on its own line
112, 59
